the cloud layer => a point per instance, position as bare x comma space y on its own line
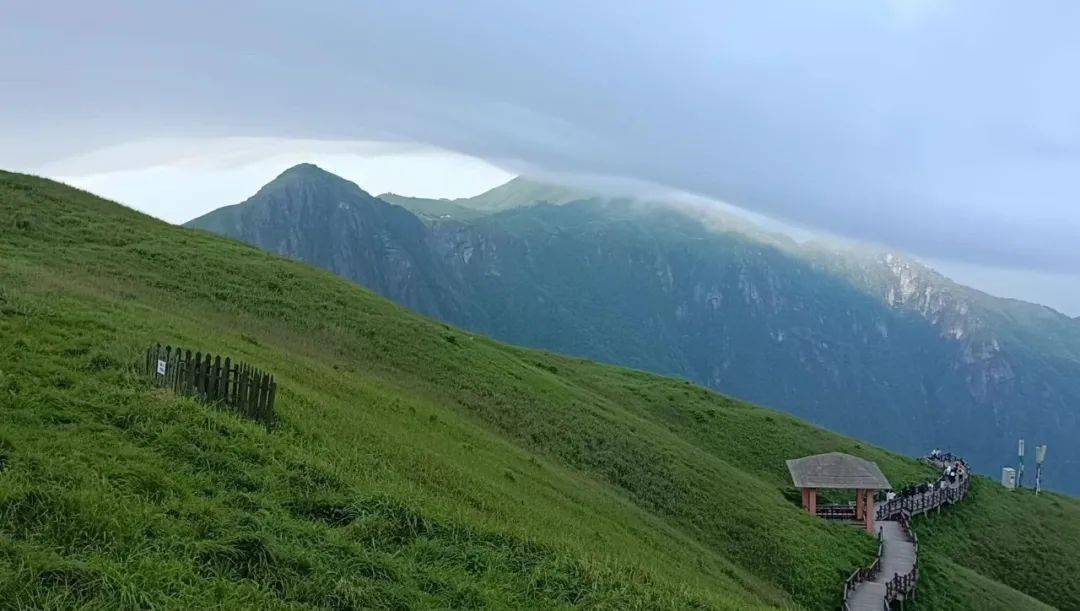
948, 129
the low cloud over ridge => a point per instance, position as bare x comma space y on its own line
948, 129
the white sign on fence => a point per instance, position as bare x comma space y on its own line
161, 367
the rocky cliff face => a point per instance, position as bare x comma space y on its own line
317, 217
1018, 363
868, 343
906, 285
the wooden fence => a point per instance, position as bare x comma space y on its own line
246, 390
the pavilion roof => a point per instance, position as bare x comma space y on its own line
838, 471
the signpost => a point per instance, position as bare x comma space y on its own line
161, 367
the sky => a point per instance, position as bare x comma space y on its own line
946, 129
178, 179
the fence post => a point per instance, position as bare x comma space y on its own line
270, 400
242, 404
223, 390
264, 390
215, 383
207, 367
241, 387
196, 374
260, 394
174, 370
249, 375
234, 395
185, 382
264, 411
257, 381
200, 376
164, 356
235, 385
163, 380
256, 407
208, 387
178, 371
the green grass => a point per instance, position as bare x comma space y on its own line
1024, 541
413, 465
944, 584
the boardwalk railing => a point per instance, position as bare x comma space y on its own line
836, 512
944, 491
903, 586
938, 494
864, 574
238, 386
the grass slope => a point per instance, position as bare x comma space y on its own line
1025, 541
414, 465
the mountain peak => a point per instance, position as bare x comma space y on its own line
302, 184
308, 175
306, 170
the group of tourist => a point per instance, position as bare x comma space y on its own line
913, 490
955, 468
954, 471
940, 456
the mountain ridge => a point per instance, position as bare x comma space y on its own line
867, 342
519, 191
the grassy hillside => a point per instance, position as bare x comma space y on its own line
414, 464
1025, 541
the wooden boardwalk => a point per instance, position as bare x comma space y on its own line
897, 558
896, 570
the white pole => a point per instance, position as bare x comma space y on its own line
1040, 456
1020, 471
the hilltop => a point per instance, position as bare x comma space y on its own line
414, 464
866, 342
517, 192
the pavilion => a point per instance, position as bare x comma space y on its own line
838, 471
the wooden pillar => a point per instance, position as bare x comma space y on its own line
805, 499
869, 510
813, 502
858, 504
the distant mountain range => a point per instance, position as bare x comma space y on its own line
865, 342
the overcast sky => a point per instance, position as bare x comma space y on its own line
177, 179
947, 129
